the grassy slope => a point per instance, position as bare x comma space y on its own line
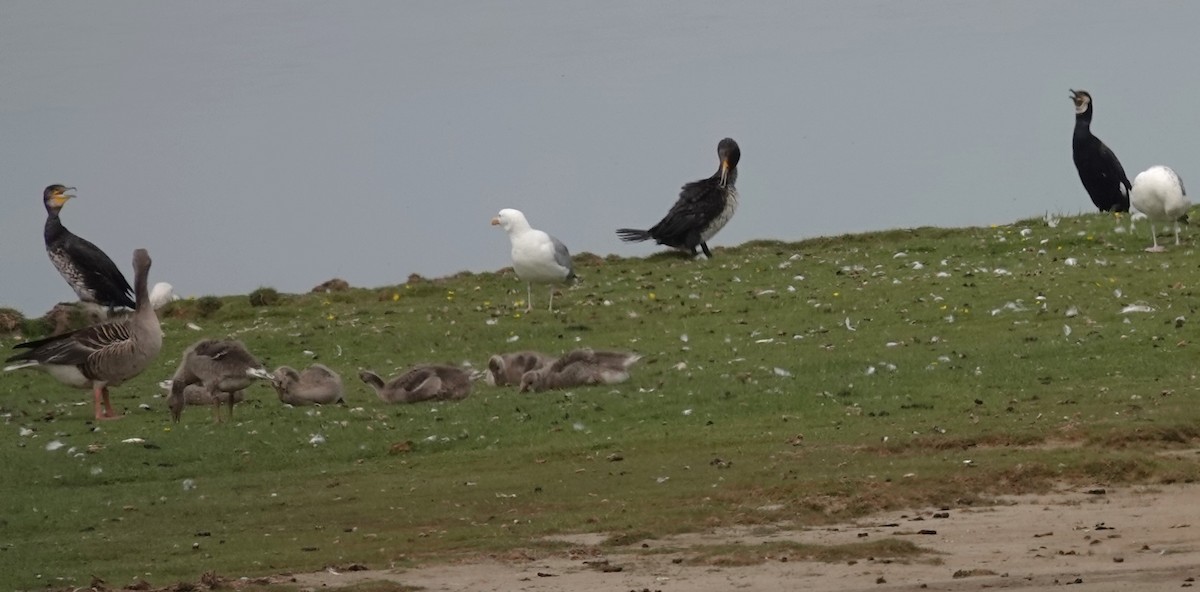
756, 403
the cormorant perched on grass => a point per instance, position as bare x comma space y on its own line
93, 276
703, 208
1102, 174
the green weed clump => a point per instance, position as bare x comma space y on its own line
264, 297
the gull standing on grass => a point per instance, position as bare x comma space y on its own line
1159, 194
536, 256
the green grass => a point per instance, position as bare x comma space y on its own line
824, 379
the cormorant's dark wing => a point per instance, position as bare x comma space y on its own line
99, 273
1112, 167
699, 203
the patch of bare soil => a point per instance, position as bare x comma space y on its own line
1131, 539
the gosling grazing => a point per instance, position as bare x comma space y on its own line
195, 395
581, 367
507, 369
427, 382
103, 355
220, 366
316, 385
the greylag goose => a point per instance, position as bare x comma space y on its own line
90, 273
220, 366
427, 382
536, 256
581, 367
103, 355
316, 385
507, 369
1159, 194
704, 207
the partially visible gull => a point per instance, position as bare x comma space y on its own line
161, 294
704, 207
537, 256
1159, 194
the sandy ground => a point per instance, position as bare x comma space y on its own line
1129, 539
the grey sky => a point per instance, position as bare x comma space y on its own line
284, 143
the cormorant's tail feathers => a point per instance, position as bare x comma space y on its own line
630, 235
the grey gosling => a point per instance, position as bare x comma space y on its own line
427, 382
581, 367
507, 369
316, 385
102, 355
196, 395
220, 366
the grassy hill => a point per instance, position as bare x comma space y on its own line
801, 382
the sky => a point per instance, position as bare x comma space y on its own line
286, 142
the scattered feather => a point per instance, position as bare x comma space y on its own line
1139, 307
53, 445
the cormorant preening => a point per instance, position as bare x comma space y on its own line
1102, 174
703, 208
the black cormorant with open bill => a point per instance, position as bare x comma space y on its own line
1102, 174
93, 276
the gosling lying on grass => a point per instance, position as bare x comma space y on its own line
427, 382
581, 367
507, 369
316, 385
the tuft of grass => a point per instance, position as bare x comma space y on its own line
783, 382
264, 297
